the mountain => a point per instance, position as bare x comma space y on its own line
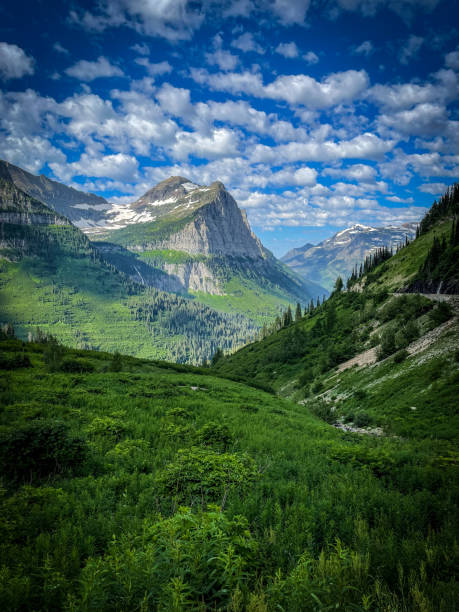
53, 278
85, 210
180, 237
338, 255
200, 238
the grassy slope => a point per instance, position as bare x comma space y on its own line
76, 297
83, 541
296, 360
400, 269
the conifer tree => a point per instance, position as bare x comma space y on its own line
298, 314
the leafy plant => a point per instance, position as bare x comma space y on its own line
39, 448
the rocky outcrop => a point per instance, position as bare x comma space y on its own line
194, 276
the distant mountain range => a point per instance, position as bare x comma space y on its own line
337, 256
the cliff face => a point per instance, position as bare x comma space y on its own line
218, 228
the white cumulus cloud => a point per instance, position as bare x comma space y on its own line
85, 70
14, 62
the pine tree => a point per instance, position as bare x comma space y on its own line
298, 313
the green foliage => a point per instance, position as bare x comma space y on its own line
75, 365
216, 435
440, 314
199, 474
15, 361
313, 517
106, 426
116, 364
189, 561
323, 410
400, 356
38, 449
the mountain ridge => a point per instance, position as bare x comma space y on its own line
339, 254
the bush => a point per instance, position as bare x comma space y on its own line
38, 449
214, 434
362, 419
198, 474
13, 362
323, 411
191, 561
116, 363
400, 356
440, 314
75, 366
106, 426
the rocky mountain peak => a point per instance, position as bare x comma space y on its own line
173, 188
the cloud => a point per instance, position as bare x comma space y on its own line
171, 19
118, 166
14, 63
60, 49
246, 42
433, 188
404, 8
366, 48
291, 11
452, 60
423, 120
220, 57
311, 57
88, 71
141, 49
410, 49
364, 146
289, 50
154, 69
336, 88
356, 172
222, 142
398, 200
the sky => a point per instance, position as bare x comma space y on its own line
315, 114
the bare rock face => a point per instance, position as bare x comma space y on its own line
194, 276
219, 228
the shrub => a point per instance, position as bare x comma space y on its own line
362, 419
131, 454
106, 426
441, 313
191, 561
200, 474
214, 434
317, 387
400, 356
323, 411
116, 363
75, 365
53, 355
40, 448
14, 362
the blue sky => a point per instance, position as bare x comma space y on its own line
315, 114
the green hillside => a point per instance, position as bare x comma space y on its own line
130, 484
52, 278
407, 342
